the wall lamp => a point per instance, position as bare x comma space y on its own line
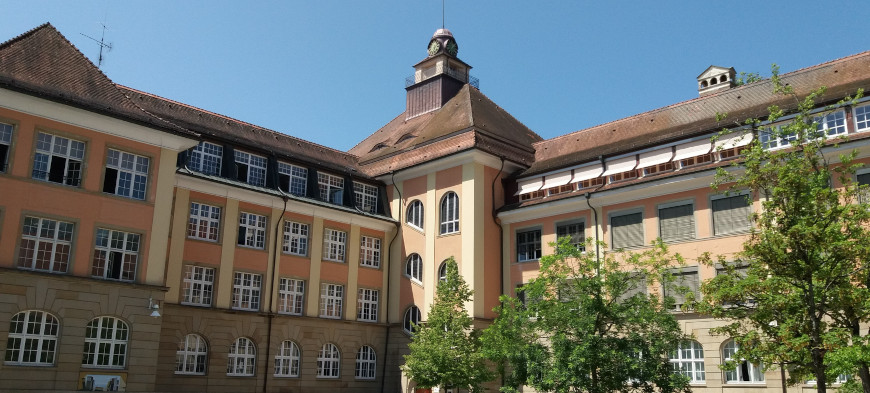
154, 307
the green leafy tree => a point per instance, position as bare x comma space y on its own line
797, 294
445, 351
587, 325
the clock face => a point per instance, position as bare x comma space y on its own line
434, 47
452, 48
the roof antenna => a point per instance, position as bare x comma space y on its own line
102, 43
442, 13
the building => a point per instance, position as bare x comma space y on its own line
195, 252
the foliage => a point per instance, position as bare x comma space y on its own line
587, 327
445, 351
797, 293
746, 78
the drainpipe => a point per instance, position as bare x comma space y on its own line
500, 229
269, 314
387, 291
595, 217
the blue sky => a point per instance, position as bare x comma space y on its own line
333, 72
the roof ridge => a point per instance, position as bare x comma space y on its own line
500, 108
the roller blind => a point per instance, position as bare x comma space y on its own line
621, 165
626, 230
677, 223
693, 149
731, 215
531, 185
586, 173
655, 157
558, 179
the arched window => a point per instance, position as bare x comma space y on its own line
442, 271
242, 357
32, 338
688, 360
287, 360
745, 372
411, 319
450, 213
191, 356
366, 360
414, 268
328, 361
106, 343
415, 214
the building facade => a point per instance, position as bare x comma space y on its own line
148, 245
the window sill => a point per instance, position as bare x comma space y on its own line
332, 261
328, 317
284, 376
449, 234
201, 240
744, 385
290, 254
251, 247
370, 267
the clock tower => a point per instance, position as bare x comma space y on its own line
438, 77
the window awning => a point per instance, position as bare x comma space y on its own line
734, 139
587, 172
530, 185
655, 157
620, 165
558, 179
693, 149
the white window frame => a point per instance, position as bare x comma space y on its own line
206, 158
329, 362
134, 167
331, 298
366, 197
242, 358
366, 363
331, 188
688, 360
46, 234
5, 142
254, 166
414, 215
198, 288
580, 241
442, 272
246, 291
33, 338
108, 352
754, 373
334, 245
291, 296
449, 213
191, 358
768, 142
861, 117
412, 315
111, 245
295, 238
71, 150
832, 122
367, 305
287, 360
523, 242
414, 268
297, 178
254, 226
370, 252
204, 222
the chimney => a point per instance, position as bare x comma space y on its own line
714, 79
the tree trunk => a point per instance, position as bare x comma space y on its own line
864, 374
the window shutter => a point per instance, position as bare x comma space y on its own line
687, 281
677, 223
730, 215
627, 230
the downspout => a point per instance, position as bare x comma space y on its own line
387, 291
269, 314
500, 241
595, 217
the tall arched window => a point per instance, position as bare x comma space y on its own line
414, 268
32, 338
745, 372
287, 360
192, 355
241, 358
328, 361
415, 214
688, 360
411, 319
366, 360
106, 343
442, 271
450, 213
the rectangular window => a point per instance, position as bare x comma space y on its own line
532, 195
246, 291
58, 159
697, 160
330, 300
206, 158
367, 305
295, 238
370, 252
252, 230
366, 197
198, 285
626, 230
528, 245
862, 118
250, 169
731, 215
863, 179
45, 245
623, 176
116, 255
594, 182
683, 286
677, 223
293, 179
832, 124
204, 222
334, 245
659, 168
772, 137
574, 230
291, 294
560, 189
5, 142
331, 188
126, 174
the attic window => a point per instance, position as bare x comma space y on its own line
723, 78
405, 138
704, 84
377, 147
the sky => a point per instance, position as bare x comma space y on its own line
332, 72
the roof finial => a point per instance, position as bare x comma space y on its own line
442, 13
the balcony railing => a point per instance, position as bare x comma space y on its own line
473, 81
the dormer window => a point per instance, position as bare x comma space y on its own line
377, 147
405, 138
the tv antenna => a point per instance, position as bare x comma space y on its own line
442, 13
102, 43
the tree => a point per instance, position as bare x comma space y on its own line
587, 325
797, 293
445, 351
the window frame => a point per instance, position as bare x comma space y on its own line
65, 244
735, 377
192, 360
749, 205
296, 179
331, 188
367, 304
692, 366
7, 131
196, 285
334, 245
255, 174
109, 250
202, 214
242, 364
579, 243
412, 315
523, 242
291, 296
329, 362
865, 114
289, 359
414, 215
138, 170
417, 268
256, 239
823, 124
365, 197
71, 177
247, 285
95, 344
623, 213
366, 363
296, 233
449, 214
677, 237
47, 337
331, 300
370, 252
206, 158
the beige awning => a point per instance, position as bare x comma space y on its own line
587, 172
734, 139
621, 165
558, 179
529, 185
693, 149
655, 157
